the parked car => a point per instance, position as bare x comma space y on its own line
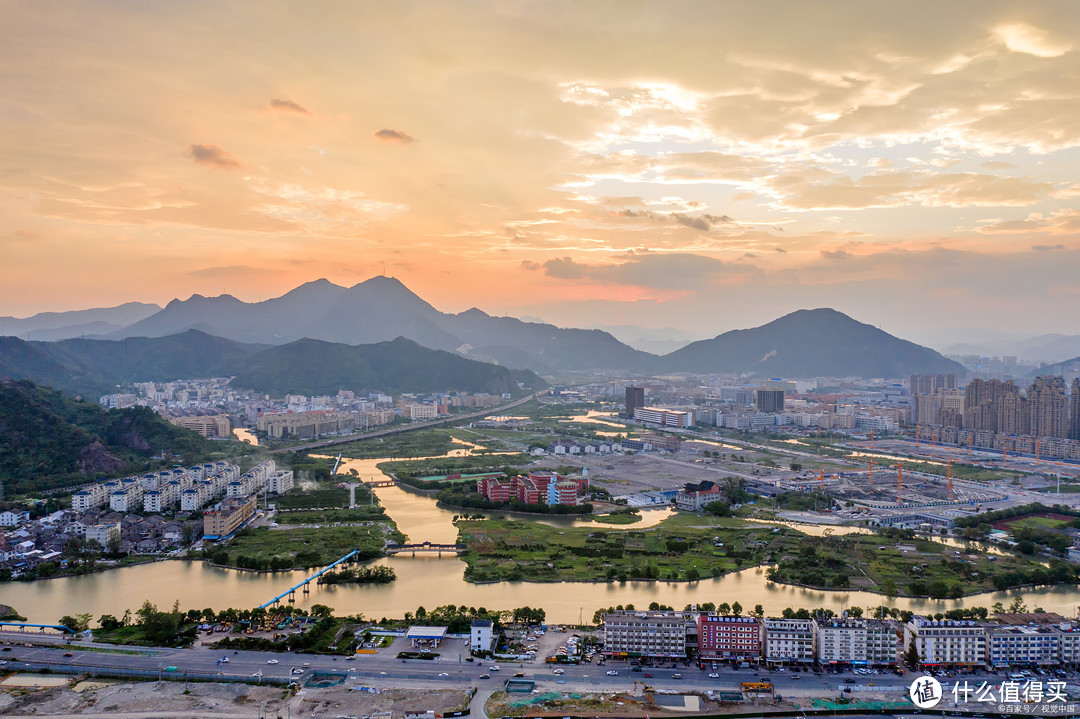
612, 673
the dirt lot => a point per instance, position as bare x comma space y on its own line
628, 474
219, 701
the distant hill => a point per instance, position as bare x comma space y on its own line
807, 343
53, 326
96, 367
1043, 348
382, 309
1068, 369
315, 367
48, 440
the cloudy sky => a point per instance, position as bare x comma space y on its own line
704, 165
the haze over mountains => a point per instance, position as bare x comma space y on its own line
305, 366
381, 309
51, 326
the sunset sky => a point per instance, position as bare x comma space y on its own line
704, 165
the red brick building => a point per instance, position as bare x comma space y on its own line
732, 638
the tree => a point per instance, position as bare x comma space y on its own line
717, 509
77, 623
911, 657
736, 609
322, 611
888, 587
759, 611
109, 623
855, 612
1018, 605
723, 608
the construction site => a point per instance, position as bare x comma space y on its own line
893, 488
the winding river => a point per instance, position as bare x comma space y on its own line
432, 581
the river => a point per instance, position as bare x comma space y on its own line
432, 581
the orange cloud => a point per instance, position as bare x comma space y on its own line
214, 156
397, 136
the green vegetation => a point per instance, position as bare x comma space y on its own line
1038, 522
363, 575
690, 547
9, 614
510, 550
628, 515
1030, 525
48, 440
803, 501
933, 569
150, 627
281, 549
420, 443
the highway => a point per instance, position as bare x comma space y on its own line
400, 429
384, 669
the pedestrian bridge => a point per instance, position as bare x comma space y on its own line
424, 547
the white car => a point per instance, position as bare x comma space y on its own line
714, 675
443, 674
272, 661
493, 669
612, 673
559, 671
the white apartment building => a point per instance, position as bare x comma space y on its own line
664, 417
884, 642
645, 633
841, 641
281, 481
481, 637
788, 641
421, 411
947, 642
102, 533
1070, 643
1023, 646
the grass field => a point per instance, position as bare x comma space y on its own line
309, 546
1035, 521
685, 547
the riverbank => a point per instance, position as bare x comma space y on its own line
688, 548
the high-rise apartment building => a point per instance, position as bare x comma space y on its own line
769, 400
635, 398
1074, 410
930, 383
994, 406
1048, 406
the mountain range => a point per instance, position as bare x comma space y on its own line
1042, 348
52, 326
382, 309
95, 367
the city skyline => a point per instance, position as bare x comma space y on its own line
587, 164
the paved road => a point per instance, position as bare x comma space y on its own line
386, 668
400, 429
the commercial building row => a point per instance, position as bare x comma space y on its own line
309, 425
1032, 641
